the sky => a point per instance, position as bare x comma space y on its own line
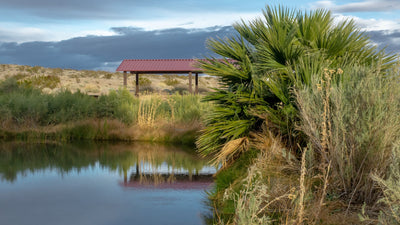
99, 34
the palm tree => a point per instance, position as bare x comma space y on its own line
263, 62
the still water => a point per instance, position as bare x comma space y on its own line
102, 184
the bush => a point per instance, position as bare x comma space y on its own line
20, 76
108, 75
181, 89
9, 85
117, 104
351, 118
33, 70
66, 106
144, 81
42, 81
171, 81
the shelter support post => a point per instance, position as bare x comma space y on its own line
190, 83
137, 85
125, 79
196, 83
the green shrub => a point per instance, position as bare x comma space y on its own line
144, 81
33, 70
66, 106
9, 85
42, 81
20, 76
181, 89
351, 117
108, 75
171, 81
117, 104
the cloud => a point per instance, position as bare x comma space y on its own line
361, 6
389, 41
105, 52
370, 24
10, 32
119, 9
22, 34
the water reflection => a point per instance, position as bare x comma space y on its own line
103, 183
139, 164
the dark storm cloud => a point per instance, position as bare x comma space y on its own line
99, 52
93, 52
388, 40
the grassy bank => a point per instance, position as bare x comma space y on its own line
27, 114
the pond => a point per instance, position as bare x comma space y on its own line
103, 183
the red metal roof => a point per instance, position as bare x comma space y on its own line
159, 65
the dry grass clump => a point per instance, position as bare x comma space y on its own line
269, 188
281, 189
147, 112
91, 88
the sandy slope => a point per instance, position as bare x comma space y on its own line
101, 82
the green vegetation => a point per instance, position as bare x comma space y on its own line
42, 81
27, 113
170, 81
34, 69
144, 81
320, 104
108, 75
20, 76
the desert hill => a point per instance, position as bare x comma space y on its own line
52, 80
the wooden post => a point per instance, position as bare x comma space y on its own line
137, 85
196, 83
190, 83
125, 79
125, 176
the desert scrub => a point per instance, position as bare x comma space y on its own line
144, 81
89, 73
108, 75
171, 81
77, 78
33, 70
21, 76
57, 71
42, 81
3, 67
181, 89
92, 88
